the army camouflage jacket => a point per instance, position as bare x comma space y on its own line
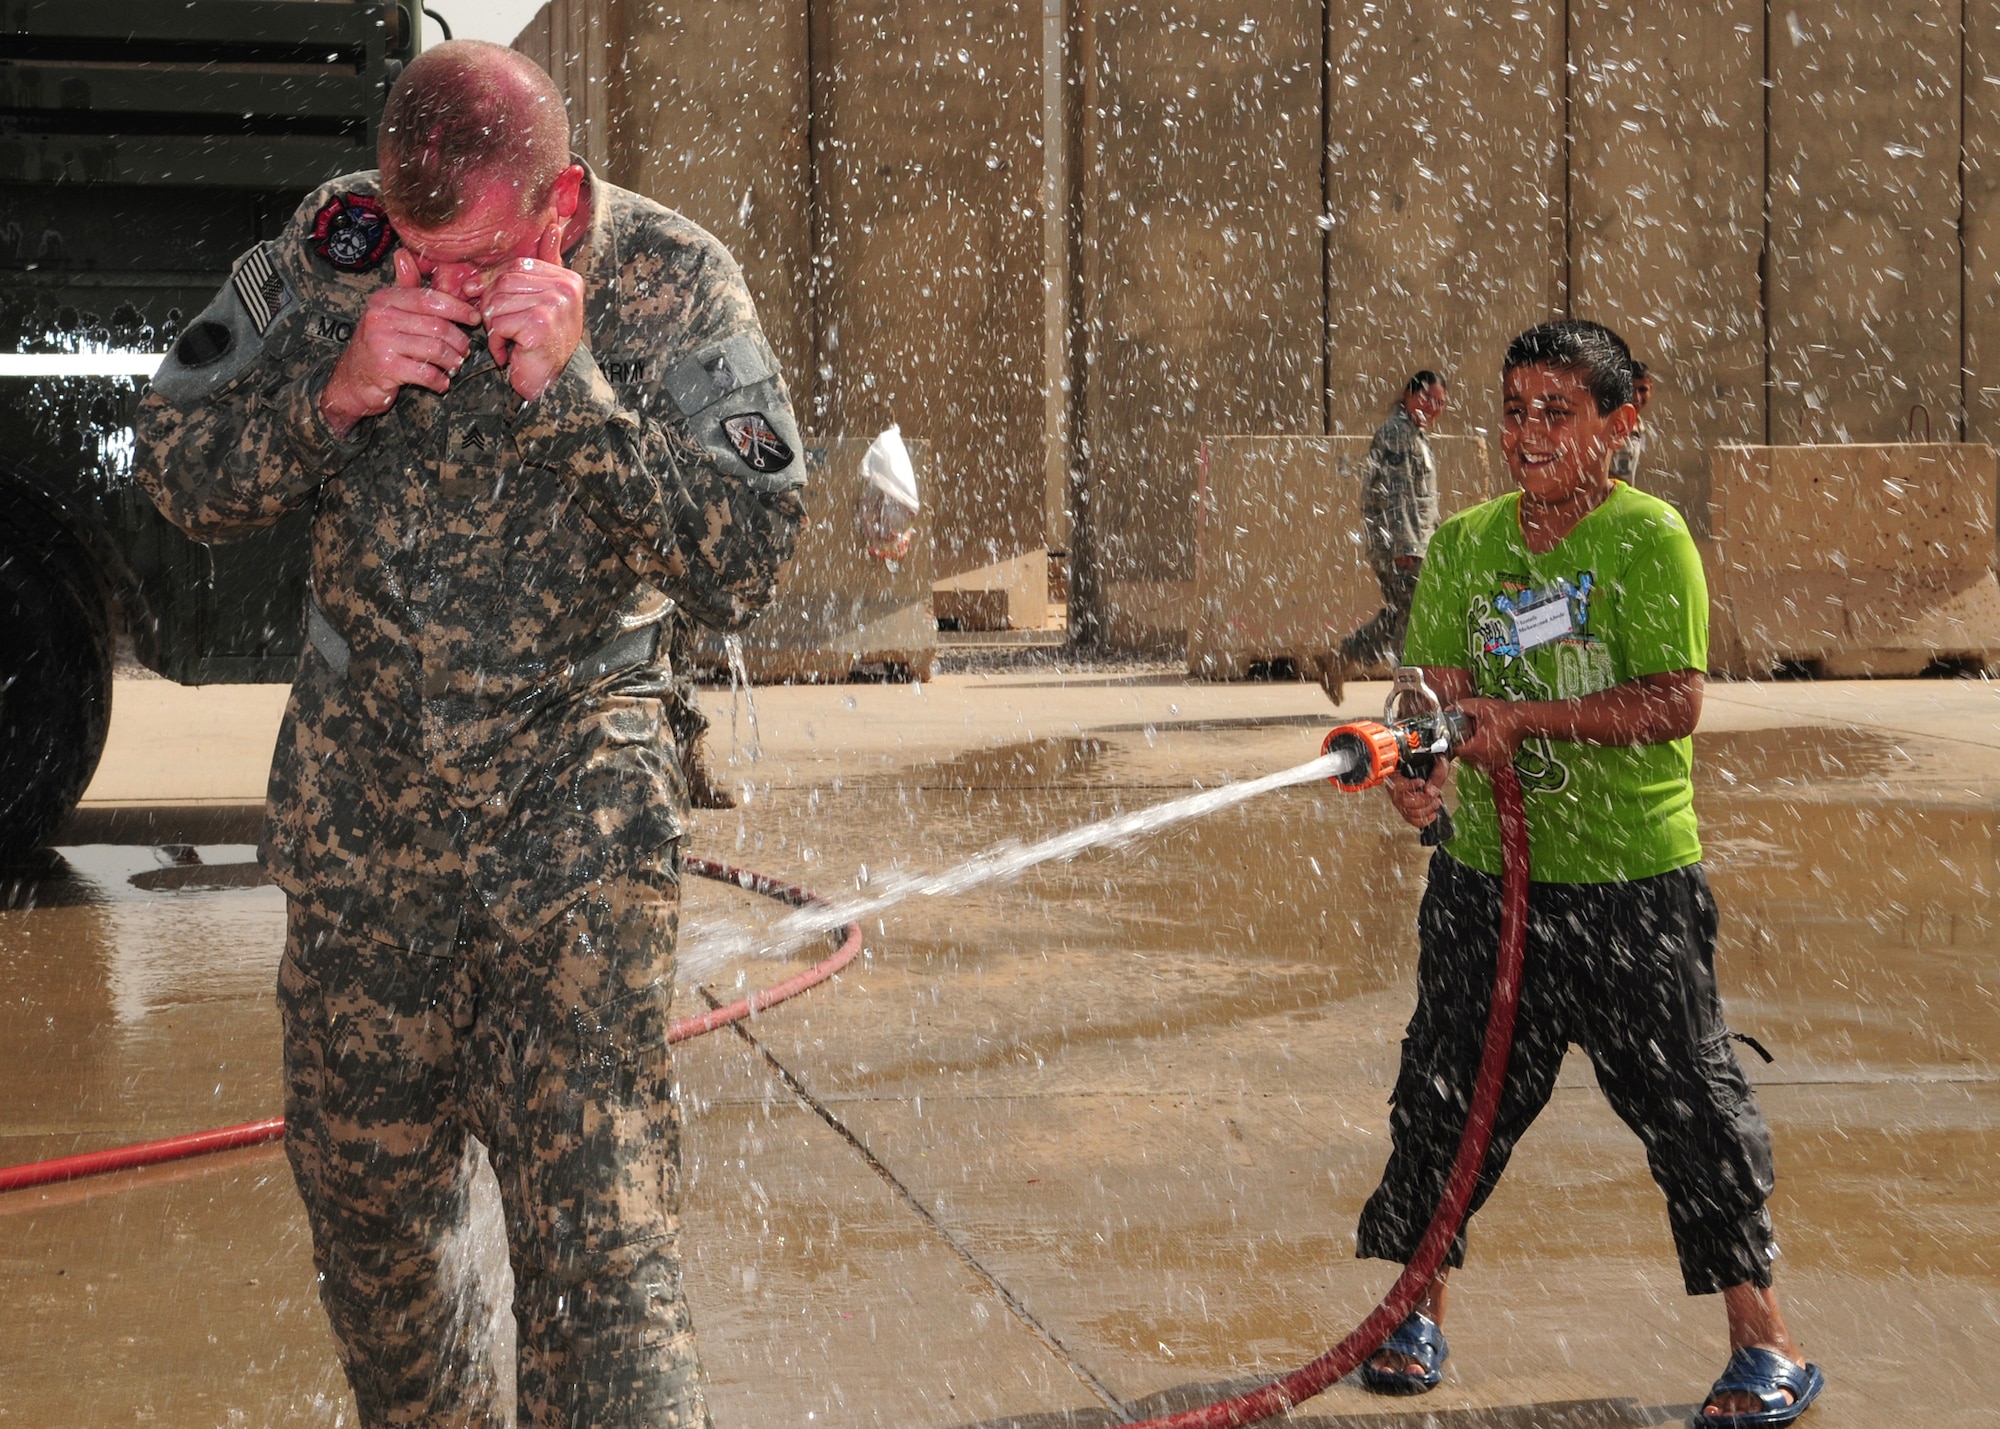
1399, 493
456, 729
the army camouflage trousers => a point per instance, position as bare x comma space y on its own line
553, 1053
1381, 637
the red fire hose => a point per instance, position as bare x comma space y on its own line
228, 1138
1306, 1381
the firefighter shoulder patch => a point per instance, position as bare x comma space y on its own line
757, 442
352, 232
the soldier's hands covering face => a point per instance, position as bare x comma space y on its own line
409, 336
533, 309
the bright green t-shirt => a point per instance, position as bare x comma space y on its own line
1621, 596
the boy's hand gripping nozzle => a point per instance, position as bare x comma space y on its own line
1414, 731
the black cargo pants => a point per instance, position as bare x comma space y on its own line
1627, 972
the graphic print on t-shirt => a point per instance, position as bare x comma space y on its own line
1529, 642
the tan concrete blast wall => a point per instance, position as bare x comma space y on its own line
928, 120
1860, 559
1202, 265
1666, 216
1445, 182
579, 43
1281, 573
1981, 259
1864, 265
713, 123
1765, 199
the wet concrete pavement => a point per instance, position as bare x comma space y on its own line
1094, 1139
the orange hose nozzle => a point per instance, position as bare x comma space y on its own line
1376, 750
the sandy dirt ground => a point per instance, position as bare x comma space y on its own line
1089, 1144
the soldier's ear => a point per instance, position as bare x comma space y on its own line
568, 190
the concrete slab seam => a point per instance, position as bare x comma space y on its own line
874, 1163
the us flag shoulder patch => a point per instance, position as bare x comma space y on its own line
260, 287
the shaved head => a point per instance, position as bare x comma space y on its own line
461, 115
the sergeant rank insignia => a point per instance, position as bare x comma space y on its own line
761, 448
352, 232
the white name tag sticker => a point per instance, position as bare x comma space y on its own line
1539, 624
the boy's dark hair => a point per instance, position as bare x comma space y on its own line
1639, 370
1422, 382
1591, 350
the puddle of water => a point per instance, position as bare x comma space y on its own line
1775, 759
1038, 764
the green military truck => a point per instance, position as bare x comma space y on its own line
144, 146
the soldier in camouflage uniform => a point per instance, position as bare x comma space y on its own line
528, 427
1399, 511
1625, 461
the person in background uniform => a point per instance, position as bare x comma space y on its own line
1625, 461
1399, 510
531, 414
1569, 621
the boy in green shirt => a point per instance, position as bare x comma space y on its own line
1569, 619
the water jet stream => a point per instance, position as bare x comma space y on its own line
714, 947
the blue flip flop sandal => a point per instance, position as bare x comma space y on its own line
1422, 1339
1768, 1376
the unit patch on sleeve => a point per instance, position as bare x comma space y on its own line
761, 448
352, 232
260, 287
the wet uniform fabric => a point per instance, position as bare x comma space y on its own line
1621, 936
1399, 511
475, 803
1625, 461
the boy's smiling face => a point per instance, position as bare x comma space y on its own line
1558, 446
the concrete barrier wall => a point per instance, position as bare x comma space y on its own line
579, 43
1864, 265
1852, 560
1280, 572
1667, 213
858, 137
930, 247
1201, 257
713, 115
1265, 217
1444, 197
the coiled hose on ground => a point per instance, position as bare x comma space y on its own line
228, 1138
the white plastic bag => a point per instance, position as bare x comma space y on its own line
887, 510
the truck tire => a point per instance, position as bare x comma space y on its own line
55, 680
